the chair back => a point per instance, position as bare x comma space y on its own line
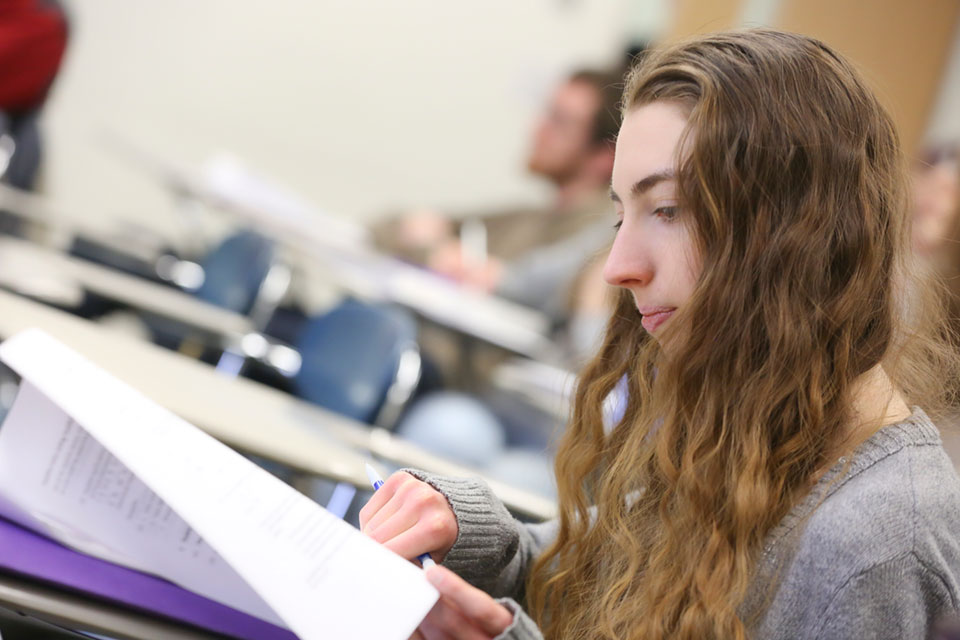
20, 150
235, 271
360, 360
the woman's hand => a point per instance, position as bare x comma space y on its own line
410, 518
462, 612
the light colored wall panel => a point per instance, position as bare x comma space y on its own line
944, 123
902, 48
360, 105
702, 16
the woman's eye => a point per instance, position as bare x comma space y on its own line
667, 213
618, 224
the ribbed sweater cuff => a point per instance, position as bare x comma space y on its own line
487, 538
522, 627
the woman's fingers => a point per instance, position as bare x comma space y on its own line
399, 524
445, 621
473, 604
382, 496
410, 518
425, 536
434, 633
386, 514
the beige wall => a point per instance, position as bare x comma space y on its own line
944, 123
361, 105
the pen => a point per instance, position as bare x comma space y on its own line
473, 244
377, 482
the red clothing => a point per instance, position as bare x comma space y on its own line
33, 36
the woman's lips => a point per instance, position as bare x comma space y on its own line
653, 318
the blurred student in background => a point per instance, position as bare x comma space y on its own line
936, 223
33, 38
533, 256
936, 199
936, 244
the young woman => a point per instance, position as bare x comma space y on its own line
772, 475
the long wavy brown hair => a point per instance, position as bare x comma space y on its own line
794, 190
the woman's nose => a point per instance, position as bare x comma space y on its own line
628, 264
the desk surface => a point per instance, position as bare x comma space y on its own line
27, 267
467, 311
243, 413
340, 249
340, 256
75, 611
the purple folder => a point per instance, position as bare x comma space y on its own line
29, 554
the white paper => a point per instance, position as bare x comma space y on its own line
322, 577
60, 481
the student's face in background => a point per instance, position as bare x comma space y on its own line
936, 200
564, 134
653, 255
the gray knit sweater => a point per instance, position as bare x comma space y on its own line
872, 552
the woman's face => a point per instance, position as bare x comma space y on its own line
653, 255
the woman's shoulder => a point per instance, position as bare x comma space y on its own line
880, 528
900, 476
898, 494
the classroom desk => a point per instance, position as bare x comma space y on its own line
341, 253
32, 270
243, 413
467, 311
335, 250
76, 611
546, 387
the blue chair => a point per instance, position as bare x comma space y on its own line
360, 360
242, 274
234, 271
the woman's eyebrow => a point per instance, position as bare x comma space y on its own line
642, 186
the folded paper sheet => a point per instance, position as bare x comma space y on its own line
94, 464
